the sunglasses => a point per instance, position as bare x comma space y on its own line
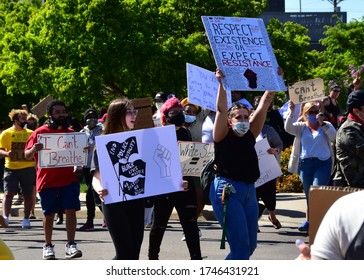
313, 113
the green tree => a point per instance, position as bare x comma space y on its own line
89, 51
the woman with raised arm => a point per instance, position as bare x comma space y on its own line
233, 194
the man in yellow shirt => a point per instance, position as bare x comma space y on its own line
18, 170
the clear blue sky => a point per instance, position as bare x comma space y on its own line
354, 8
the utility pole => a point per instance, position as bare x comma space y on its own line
335, 3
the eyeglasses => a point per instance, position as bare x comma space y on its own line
132, 112
313, 113
336, 90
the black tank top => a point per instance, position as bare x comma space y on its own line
236, 158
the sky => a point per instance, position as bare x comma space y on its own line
354, 8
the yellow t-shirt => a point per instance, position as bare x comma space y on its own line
14, 140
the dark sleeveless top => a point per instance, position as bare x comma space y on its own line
356, 248
236, 158
334, 110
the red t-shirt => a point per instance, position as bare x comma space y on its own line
50, 177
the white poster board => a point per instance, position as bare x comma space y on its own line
194, 156
268, 164
307, 91
139, 163
243, 51
62, 149
202, 87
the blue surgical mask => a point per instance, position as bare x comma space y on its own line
241, 128
190, 118
312, 119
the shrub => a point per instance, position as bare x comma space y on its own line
288, 182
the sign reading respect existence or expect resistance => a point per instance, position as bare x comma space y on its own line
141, 163
202, 87
243, 51
307, 91
62, 149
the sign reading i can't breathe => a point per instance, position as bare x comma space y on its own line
243, 51
62, 149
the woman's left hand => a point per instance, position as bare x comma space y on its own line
273, 151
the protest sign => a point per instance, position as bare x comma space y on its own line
194, 156
202, 87
268, 164
141, 163
40, 109
307, 91
62, 149
243, 52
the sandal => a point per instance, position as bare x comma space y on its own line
276, 224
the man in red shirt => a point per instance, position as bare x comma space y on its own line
58, 188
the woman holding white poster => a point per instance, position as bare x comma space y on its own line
124, 220
232, 194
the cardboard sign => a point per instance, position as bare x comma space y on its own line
194, 156
307, 91
139, 163
243, 51
268, 164
41, 108
202, 87
62, 149
18, 149
144, 117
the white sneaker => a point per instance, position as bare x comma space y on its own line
48, 252
72, 252
4, 222
26, 224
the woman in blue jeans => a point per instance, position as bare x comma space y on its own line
312, 153
236, 160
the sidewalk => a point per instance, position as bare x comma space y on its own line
291, 209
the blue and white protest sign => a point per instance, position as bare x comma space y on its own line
243, 51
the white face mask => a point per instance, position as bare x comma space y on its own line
159, 105
241, 128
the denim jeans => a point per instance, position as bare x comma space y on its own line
314, 172
241, 216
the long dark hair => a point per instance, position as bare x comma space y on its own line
116, 112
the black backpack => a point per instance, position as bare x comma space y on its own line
207, 176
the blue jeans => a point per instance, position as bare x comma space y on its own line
314, 172
241, 216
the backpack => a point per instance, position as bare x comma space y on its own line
207, 176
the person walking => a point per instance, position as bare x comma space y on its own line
58, 188
19, 171
232, 193
92, 129
124, 220
312, 154
185, 202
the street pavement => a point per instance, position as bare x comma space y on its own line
26, 244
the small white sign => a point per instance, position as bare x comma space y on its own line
62, 149
268, 164
202, 87
194, 156
140, 163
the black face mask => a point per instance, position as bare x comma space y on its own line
22, 124
177, 120
31, 126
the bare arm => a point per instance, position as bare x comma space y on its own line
97, 186
29, 154
221, 121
